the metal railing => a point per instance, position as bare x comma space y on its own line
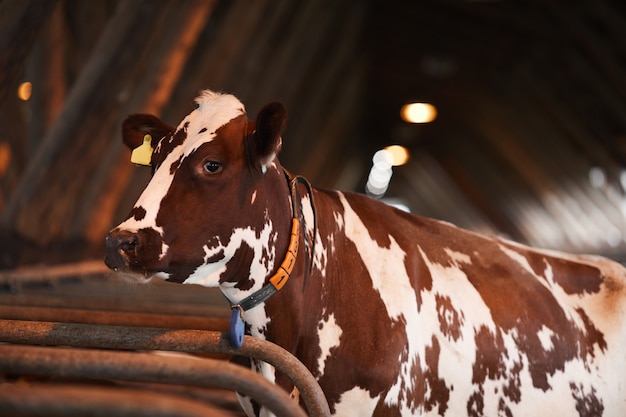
117, 365
81, 342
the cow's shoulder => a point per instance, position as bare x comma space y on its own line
378, 216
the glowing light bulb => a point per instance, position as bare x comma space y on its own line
597, 177
25, 90
418, 113
399, 154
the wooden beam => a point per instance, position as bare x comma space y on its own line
20, 23
113, 40
151, 96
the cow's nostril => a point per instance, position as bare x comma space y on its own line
128, 244
121, 247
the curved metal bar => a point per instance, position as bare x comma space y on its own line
147, 367
115, 318
193, 341
67, 400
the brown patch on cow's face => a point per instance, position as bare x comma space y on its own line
167, 144
137, 213
242, 261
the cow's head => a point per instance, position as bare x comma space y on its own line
217, 209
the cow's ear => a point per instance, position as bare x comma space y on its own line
266, 140
136, 126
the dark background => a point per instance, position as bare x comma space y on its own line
529, 142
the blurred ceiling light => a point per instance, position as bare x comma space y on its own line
383, 159
597, 177
399, 154
418, 113
25, 90
380, 174
383, 162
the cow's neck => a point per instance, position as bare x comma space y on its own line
294, 265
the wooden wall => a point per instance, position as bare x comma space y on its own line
68, 178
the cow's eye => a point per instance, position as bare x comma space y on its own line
212, 167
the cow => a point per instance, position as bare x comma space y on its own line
394, 314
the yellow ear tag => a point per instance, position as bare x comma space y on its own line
142, 155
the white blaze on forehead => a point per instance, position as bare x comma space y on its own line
214, 111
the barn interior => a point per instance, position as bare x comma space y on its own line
528, 141
528, 138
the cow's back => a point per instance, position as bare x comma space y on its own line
416, 315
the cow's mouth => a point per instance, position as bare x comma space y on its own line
133, 277
132, 273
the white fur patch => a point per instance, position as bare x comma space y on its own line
452, 282
355, 399
390, 279
458, 257
545, 337
263, 261
329, 334
384, 265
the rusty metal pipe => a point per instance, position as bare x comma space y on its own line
146, 367
194, 341
176, 307
116, 318
66, 400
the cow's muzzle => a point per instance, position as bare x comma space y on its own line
122, 249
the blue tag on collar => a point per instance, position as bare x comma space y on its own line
236, 328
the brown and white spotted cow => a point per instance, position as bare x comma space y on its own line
393, 313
